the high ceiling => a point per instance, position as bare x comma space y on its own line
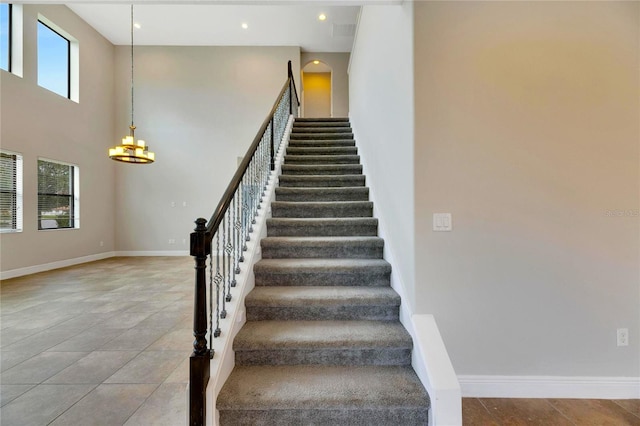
281, 24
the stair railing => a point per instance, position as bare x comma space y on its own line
222, 241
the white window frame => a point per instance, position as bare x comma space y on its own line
76, 196
19, 195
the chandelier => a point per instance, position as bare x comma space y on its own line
132, 151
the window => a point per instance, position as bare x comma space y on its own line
54, 61
5, 37
58, 201
10, 192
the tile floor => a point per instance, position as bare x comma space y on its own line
104, 343
108, 342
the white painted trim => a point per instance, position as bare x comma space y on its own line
13, 273
550, 387
431, 361
139, 253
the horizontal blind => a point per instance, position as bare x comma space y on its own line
55, 195
8, 191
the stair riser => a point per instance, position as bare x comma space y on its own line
362, 209
320, 252
329, 356
295, 230
321, 159
321, 124
320, 136
322, 143
313, 313
319, 129
319, 195
321, 120
302, 181
327, 278
304, 170
335, 150
361, 417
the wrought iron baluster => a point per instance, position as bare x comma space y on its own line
238, 227
229, 255
223, 313
217, 280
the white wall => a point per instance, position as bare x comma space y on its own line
339, 63
381, 112
38, 123
527, 131
199, 109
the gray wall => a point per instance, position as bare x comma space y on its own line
339, 63
199, 109
527, 132
38, 123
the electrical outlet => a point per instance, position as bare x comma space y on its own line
172, 241
623, 337
101, 243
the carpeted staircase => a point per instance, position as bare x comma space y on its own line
323, 344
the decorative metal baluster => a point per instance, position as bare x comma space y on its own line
256, 186
223, 313
217, 280
230, 262
238, 226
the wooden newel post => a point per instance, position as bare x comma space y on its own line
290, 72
199, 362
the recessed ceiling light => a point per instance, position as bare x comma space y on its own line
244, 25
137, 25
322, 17
316, 62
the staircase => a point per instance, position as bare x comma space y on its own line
323, 344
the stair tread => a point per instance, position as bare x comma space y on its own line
337, 266
312, 241
319, 119
320, 189
256, 335
326, 129
352, 247
321, 387
321, 150
322, 296
319, 143
344, 226
326, 158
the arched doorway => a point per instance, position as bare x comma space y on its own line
316, 89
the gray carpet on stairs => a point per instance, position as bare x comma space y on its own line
323, 344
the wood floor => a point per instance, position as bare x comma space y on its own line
550, 412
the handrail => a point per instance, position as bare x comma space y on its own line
225, 201
231, 225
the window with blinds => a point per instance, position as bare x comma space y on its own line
10, 191
57, 195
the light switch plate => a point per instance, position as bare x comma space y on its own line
442, 222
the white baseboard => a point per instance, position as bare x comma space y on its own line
151, 253
550, 387
14, 273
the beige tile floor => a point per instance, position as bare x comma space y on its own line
103, 343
